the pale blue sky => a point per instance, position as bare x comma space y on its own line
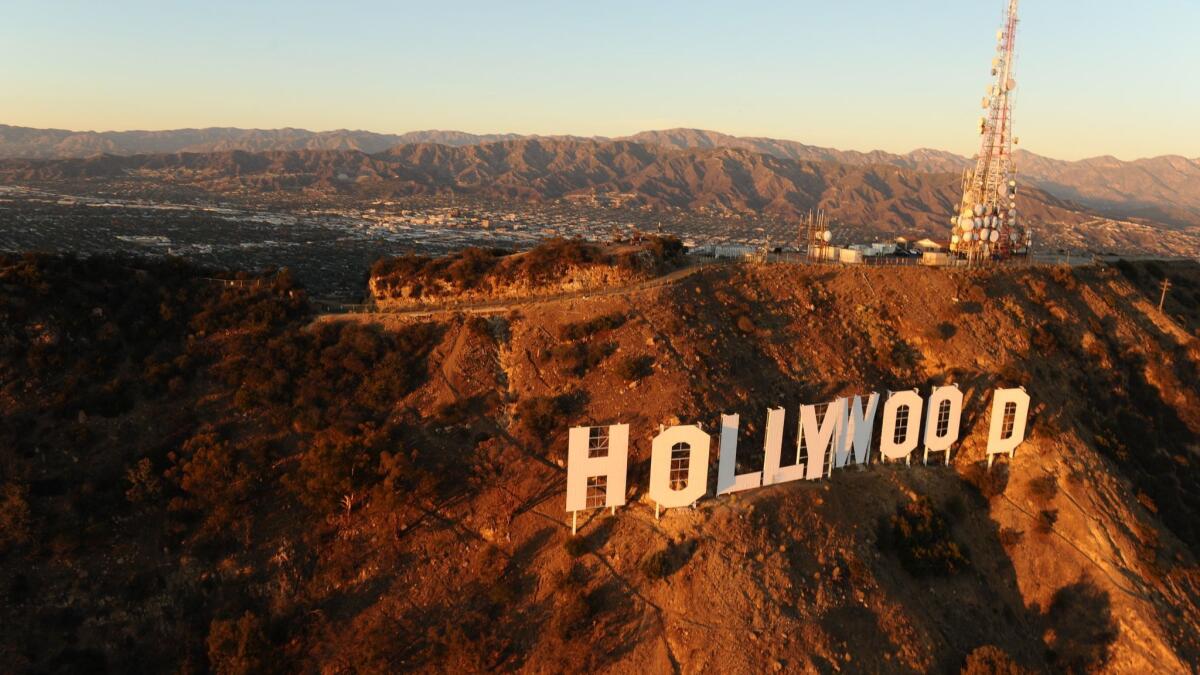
1096, 77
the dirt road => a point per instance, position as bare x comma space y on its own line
501, 306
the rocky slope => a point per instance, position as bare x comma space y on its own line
198, 476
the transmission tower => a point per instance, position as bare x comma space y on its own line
986, 225
817, 234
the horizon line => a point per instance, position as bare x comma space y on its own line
594, 137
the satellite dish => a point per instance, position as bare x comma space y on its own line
968, 225
984, 234
979, 209
954, 239
968, 236
995, 236
827, 236
1011, 84
1015, 237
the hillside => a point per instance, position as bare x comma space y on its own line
554, 267
198, 476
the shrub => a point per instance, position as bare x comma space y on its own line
657, 565
239, 646
144, 484
1080, 628
943, 331
990, 483
633, 368
1043, 488
1064, 276
578, 358
665, 248
902, 357
1046, 518
991, 660
1010, 536
584, 329
541, 416
921, 536
14, 516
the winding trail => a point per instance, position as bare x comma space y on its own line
501, 306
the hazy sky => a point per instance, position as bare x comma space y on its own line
1095, 76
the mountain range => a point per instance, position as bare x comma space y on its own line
716, 179
1163, 189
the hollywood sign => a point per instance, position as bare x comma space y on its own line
598, 457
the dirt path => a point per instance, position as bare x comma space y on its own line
501, 306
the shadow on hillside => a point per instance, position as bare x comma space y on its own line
984, 605
1088, 376
837, 582
1080, 628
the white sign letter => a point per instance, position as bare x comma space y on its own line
1010, 411
728, 479
773, 474
857, 432
679, 466
818, 440
942, 420
597, 460
901, 425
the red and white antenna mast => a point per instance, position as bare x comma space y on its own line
986, 225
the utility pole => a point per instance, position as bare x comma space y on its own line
1163, 298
